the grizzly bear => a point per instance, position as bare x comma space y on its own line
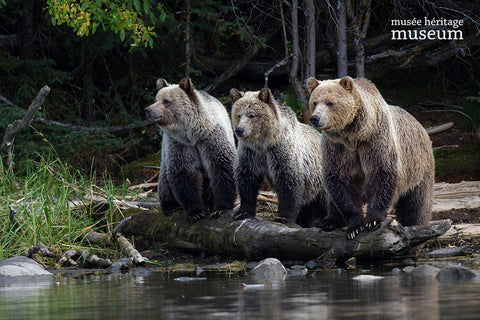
273, 144
375, 156
198, 151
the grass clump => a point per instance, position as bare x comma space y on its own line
41, 193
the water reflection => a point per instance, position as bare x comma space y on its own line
329, 294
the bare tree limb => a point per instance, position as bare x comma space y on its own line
235, 68
41, 248
18, 125
439, 128
70, 257
125, 246
111, 129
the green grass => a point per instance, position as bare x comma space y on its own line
41, 192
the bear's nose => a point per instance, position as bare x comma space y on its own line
315, 120
239, 131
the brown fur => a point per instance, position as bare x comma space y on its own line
374, 154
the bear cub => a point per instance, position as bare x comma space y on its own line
198, 151
273, 144
375, 156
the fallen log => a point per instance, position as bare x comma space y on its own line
258, 238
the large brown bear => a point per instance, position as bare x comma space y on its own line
375, 156
198, 150
273, 144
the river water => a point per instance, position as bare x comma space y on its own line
326, 294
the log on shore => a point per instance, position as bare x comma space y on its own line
258, 238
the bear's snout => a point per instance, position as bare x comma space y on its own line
151, 114
314, 120
318, 121
147, 112
239, 131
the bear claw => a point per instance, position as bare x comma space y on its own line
216, 214
199, 216
241, 215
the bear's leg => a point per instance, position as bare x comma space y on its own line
380, 188
288, 183
312, 214
218, 158
415, 206
345, 202
333, 220
249, 177
185, 180
167, 200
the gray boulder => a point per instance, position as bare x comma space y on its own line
270, 269
21, 267
452, 272
425, 271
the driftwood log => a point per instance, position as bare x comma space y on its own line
258, 238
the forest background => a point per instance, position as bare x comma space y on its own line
101, 60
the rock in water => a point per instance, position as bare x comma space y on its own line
456, 273
270, 269
18, 267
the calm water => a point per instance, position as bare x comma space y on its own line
329, 294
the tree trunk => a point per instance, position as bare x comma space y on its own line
342, 63
257, 238
310, 28
295, 63
360, 18
188, 41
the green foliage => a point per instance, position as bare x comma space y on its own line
40, 193
291, 100
122, 17
472, 108
20, 79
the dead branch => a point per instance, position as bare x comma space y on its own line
18, 125
12, 214
108, 239
439, 128
235, 68
39, 248
111, 129
447, 146
71, 257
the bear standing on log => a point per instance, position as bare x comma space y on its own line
375, 156
198, 151
273, 144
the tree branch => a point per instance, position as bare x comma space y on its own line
18, 125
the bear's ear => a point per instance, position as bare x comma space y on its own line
235, 94
161, 83
312, 83
265, 95
187, 85
347, 83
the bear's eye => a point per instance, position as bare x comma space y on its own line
166, 102
251, 116
315, 104
329, 104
